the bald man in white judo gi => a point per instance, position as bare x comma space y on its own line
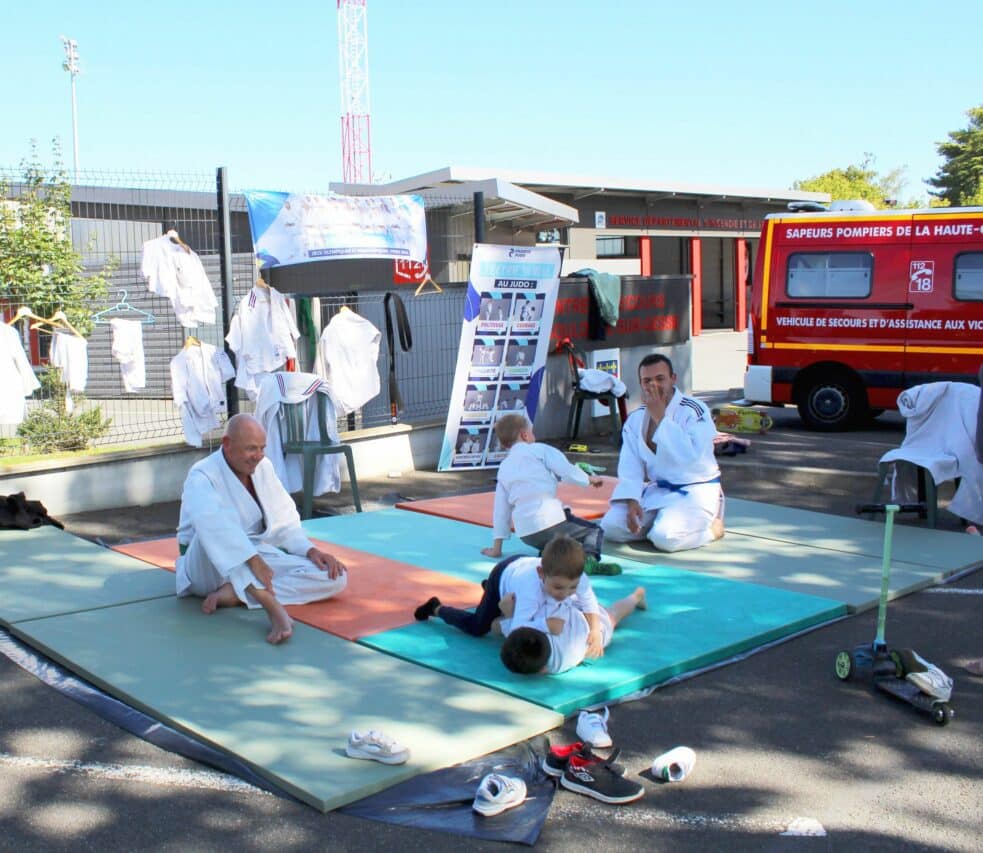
240, 535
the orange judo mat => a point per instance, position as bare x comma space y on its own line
381, 593
584, 502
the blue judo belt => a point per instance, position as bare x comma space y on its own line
681, 487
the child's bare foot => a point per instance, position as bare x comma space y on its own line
491, 552
641, 602
224, 596
717, 528
281, 627
972, 530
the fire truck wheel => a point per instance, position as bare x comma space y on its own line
832, 402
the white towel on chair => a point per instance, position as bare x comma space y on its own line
127, 349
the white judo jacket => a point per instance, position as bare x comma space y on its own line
263, 335
940, 435
17, 379
275, 389
198, 377
177, 273
683, 459
347, 359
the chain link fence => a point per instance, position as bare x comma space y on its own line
113, 215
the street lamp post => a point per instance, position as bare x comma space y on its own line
71, 65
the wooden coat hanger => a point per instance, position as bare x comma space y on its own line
428, 280
58, 320
24, 312
191, 341
176, 238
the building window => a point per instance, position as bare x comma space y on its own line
617, 247
821, 275
969, 276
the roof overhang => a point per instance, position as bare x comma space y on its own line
582, 186
504, 201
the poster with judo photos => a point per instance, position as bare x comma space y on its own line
493, 316
527, 311
469, 447
501, 360
479, 403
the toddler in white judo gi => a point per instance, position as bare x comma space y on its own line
240, 535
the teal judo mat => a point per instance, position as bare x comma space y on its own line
692, 621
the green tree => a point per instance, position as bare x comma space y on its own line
959, 181
39, 266
860, 180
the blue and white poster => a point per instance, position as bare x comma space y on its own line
296, 228
505, 339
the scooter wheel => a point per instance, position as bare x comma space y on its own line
942, 713
844, 666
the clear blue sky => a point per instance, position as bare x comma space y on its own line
755, 95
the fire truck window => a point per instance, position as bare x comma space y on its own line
821, 275
969, 276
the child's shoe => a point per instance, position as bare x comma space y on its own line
593, 566
592, 728
595, 777
556, 760
376, 746
674, 765
498, 792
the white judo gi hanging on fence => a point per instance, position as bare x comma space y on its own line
263, 335
174, 271
347, 359
70, 353
276, 389
127, 349
17, 379
198, 376
222, 526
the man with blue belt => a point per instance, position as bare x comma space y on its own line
668, 481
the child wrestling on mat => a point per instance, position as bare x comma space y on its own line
544, 607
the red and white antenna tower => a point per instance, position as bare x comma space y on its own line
353, 66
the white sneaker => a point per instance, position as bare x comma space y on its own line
497, 792
376, 746
674, 765
933, 682
592, 728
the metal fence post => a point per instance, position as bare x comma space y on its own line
225, 259
479, 217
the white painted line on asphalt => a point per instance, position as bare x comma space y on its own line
164, 776
954, 590
806, 826
643, 819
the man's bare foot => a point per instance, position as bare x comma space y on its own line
224, 596
281, 627
641, 602
717, 528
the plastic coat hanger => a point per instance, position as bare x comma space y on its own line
145, 316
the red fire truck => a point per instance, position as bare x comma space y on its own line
851, 305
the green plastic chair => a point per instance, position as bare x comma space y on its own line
293, 421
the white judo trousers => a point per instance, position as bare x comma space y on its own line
673, 484
223, 526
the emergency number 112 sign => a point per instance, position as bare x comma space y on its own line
921, 276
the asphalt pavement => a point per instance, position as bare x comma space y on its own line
788, 757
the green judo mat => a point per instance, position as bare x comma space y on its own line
918, 545
45, 571
285, 710
693, 620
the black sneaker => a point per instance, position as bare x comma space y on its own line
595, 777
558, 757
